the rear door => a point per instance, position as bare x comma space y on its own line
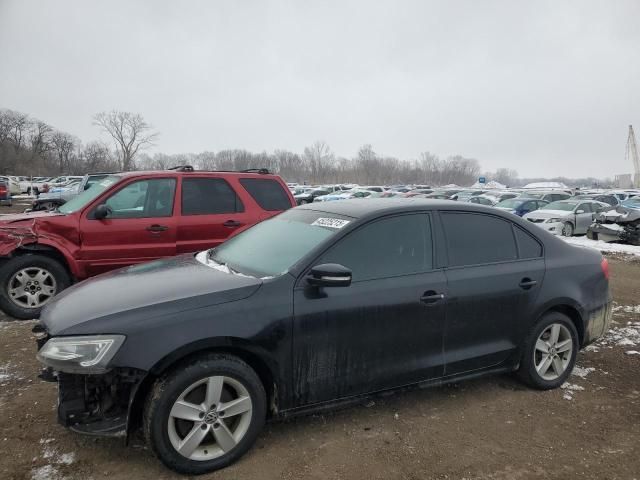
210, 211
494, 273
140, 227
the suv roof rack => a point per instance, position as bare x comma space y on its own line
262, 171
182, 168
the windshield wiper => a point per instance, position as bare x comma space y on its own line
211, 257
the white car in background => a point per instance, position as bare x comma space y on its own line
566, 217
12, 184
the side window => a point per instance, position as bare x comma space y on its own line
491, 241
267, 193
527, 245
392, 246
585, 207
208, 196
143, 199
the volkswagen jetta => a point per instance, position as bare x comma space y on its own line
324, 304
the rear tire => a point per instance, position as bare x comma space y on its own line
178, 409
28, 283
546, 361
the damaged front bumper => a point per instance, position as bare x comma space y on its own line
95, 404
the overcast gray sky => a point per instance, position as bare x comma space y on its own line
547, 88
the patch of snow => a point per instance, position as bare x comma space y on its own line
572, 387
632, 352
581, 372
48, 472
627, 309
604, 246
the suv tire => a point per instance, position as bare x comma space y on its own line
30, 278
549, 352
180, 407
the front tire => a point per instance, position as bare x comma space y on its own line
549, 352
205, 415
567, 229
28, 283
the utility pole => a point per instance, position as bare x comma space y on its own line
632, 154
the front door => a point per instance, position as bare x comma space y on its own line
140, 227
383, 331
491, 281
583, 219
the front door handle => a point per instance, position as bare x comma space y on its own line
527, 283
430, 297
232, 224
157, 228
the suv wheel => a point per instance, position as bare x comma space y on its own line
205, 415
28, 283
549, 352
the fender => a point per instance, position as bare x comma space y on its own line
44, 244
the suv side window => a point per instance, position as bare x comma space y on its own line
385, 248
143, 199
475, 239
267, 193
209, 196
586, 207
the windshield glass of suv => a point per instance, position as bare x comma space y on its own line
565, 206
87, 196
272, 247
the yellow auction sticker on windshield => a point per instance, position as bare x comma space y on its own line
330, 222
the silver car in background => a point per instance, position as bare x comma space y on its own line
566, 217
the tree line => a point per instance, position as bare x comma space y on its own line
29, 146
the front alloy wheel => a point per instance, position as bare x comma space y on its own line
567, 229
209, 418
204, 415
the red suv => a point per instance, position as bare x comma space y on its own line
128, 218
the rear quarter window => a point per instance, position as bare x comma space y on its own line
528, 247
267, 193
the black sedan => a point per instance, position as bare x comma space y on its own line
324, 304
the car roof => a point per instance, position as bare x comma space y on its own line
358, 208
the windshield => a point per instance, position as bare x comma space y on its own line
564, 206
88, 195
272, 247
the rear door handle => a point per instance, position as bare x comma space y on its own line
157, 228
232, 224
527, 283
430, 297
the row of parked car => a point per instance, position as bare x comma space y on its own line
562, 212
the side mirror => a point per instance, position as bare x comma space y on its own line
329, 275
579, 211
102, 211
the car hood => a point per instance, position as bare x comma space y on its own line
548, 214
27, 218
141, 292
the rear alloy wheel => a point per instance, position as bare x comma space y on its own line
567, 229
28, 283
549, 352
205, 415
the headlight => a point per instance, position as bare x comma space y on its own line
89, 354
554, 220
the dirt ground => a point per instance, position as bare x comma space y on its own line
491, 428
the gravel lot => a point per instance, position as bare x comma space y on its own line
491, 428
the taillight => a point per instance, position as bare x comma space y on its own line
3, 190
604, 264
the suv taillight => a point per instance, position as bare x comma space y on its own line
3, 189
604, 264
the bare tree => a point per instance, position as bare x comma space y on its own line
130, 132
62, 146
